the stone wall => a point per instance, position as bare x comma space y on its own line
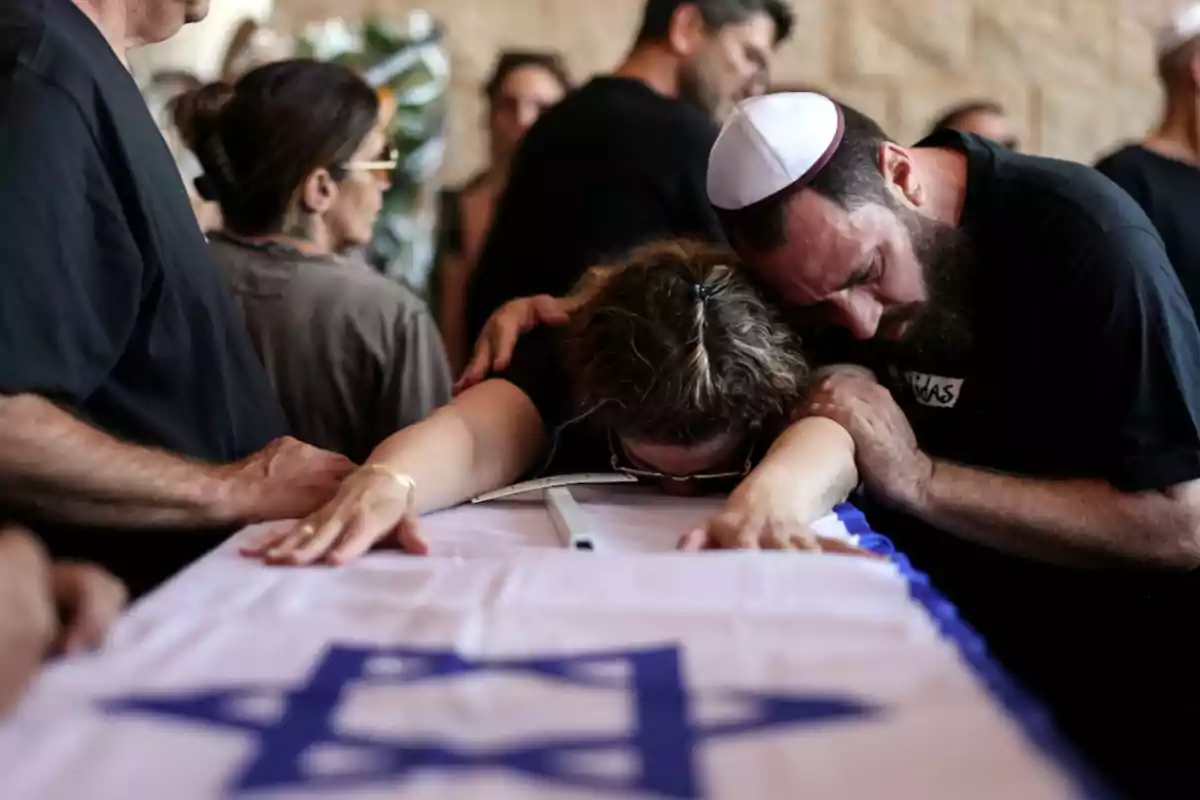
1077, 74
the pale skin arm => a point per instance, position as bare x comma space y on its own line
486, 438
56, 467
808, 470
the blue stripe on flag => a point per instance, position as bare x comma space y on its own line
1034, 720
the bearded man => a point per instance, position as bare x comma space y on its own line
1024, 400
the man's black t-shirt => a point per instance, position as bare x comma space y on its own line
109, 303
1085, 363
613, 166
1169, 192
1086, 356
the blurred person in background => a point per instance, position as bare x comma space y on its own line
1162, 172
296, 156
982, 118
522, 86
621, 162
46, 609
137, 427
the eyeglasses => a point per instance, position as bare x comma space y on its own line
384, 166
645, 474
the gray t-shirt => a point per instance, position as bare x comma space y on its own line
352, 355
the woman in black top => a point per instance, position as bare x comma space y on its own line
675, 372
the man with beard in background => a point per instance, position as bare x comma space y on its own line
621, 161
1027, 420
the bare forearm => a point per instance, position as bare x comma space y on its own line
54, 466
813, 461
1081, 522
485, 439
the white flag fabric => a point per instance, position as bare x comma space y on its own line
502, 666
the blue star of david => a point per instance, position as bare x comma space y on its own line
663, 736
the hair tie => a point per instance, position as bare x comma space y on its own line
701, 291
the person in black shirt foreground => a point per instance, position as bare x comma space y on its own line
136, 422
1031, 434
675, 371
620, 162
1162, 173
1028, 428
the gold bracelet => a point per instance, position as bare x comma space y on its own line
399, 477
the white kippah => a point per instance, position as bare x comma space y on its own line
770, 143
1182, 28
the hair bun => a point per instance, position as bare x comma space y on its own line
197, 113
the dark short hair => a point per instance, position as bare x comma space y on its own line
851, 178
954, 116
259, 139
509, 61
656, 19
677, 346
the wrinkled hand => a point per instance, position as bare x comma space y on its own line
891, 465
369, 508
754, 520
285, 480
89, 600
494, 349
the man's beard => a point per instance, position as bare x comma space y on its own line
943, 325
698, 85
